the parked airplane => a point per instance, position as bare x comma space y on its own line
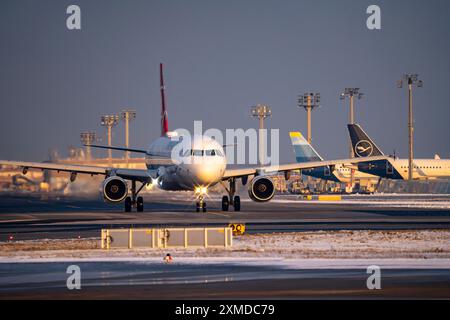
206, 166
304, 153
394, 168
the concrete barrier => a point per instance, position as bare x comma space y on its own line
166, 238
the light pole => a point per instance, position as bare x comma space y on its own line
261, 111
412, 79
109, 122
309, 101
351, 93
87, 138
127, 116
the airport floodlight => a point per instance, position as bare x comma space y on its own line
261, 112
127, 116
351, 93
109, 121
309, 101
87, 138
411, 79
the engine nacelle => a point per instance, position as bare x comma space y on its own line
261, 189
114, 189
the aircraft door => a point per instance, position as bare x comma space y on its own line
389, 168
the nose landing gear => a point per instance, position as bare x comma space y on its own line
231, 199
201, 204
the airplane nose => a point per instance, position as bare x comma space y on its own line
206, 174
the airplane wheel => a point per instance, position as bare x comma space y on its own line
140, 204
128, 204
197, 207
204, 207
225, 203
237, 203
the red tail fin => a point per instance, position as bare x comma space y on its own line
164, 123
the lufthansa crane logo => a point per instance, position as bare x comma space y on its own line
363, 148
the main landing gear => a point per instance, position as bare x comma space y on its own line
231, 199
134, 200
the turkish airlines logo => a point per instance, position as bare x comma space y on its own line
364, 148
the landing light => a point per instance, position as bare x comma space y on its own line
201, 190
153, 184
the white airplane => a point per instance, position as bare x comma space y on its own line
394, 168
207, 166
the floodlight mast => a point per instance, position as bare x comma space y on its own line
261, 111
309, 101
87, 138
109, 121
127, 116
351, 93
412, 79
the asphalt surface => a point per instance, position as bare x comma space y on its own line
131, 280
32, 217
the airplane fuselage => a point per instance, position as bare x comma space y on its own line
399, 168
341, 173
201, 164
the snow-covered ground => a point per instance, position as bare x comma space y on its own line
311, 248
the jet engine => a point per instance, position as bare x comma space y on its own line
114, 189
261, 189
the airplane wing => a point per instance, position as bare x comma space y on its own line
236, 173
130, 174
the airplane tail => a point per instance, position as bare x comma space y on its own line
164, 122
304, 152
362, 145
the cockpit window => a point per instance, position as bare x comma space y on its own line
199, 153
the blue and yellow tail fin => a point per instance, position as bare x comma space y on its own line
304, 152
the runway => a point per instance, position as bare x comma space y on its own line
31, 217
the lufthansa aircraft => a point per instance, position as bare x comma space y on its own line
206, 166
393, 168
304, 152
